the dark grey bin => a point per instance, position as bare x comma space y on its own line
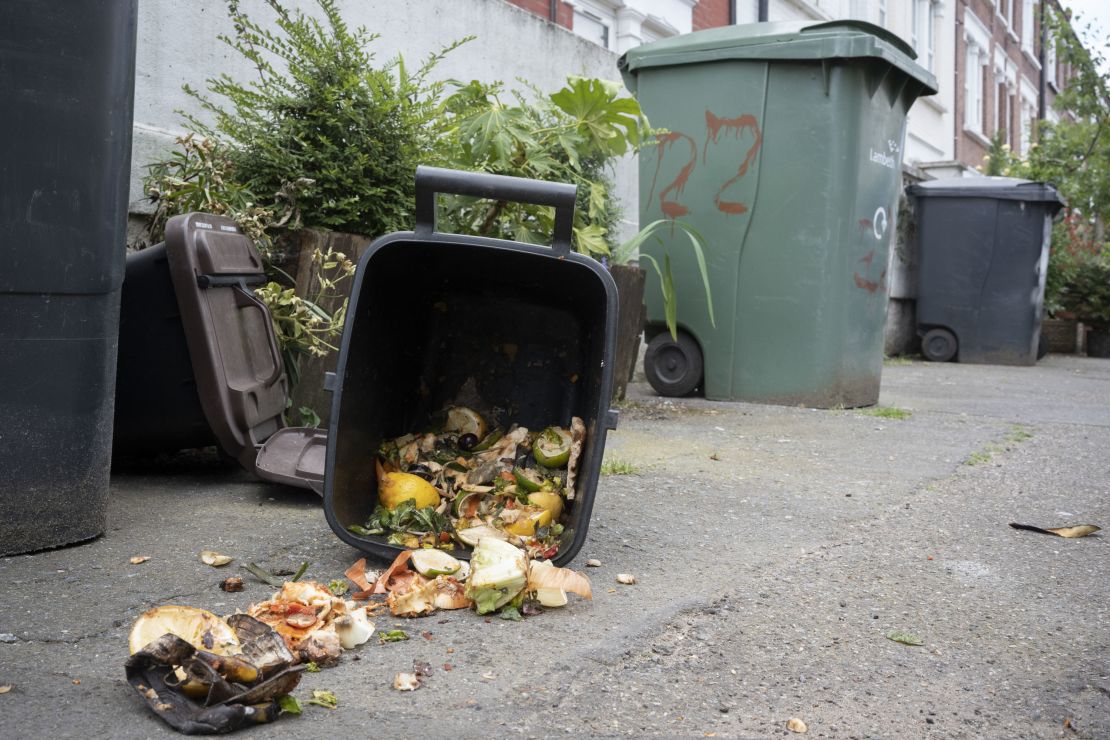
66, 84
983, 247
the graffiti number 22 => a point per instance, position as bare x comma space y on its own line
714, 127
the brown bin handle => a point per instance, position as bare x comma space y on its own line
245, 298
432, 180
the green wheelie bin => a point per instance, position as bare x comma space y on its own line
781, 144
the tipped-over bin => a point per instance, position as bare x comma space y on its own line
524, 332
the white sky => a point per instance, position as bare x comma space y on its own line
1096, 12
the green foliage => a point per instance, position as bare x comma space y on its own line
630, 248
571, 135
1087, 293
320, 127
618, 467
199, 176
303, 326
886, 412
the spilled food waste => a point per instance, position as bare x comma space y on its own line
452, 487
203, 674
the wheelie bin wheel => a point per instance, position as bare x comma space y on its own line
938, 345
673, 367
1042, 347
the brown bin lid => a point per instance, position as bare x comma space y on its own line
232, 344
295, 456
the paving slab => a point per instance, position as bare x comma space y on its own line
775, 548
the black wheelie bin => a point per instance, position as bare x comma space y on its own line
983, 248
67, 75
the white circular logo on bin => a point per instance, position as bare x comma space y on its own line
879, 222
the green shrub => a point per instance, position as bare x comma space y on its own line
572, 135
320, 126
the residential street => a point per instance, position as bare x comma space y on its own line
774, 548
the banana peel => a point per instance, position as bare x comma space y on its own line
198, 692
1079, 530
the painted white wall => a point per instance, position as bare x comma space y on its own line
177, 44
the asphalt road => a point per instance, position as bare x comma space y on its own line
775, 549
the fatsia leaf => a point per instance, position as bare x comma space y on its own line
598, 199
611, 124
591, 239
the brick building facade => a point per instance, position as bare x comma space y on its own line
998, 75
563, 12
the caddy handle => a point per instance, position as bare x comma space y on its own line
431, 181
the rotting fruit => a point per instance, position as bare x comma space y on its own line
448, 487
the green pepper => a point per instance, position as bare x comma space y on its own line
552, 448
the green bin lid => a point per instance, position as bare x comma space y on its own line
1000, 188
787, 41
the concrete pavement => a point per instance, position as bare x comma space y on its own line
774, 547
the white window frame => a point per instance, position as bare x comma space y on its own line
923, 35
1028, 97
600, 15
1027, 26
1051, 69
883, 17
977, 56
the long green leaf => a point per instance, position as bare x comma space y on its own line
696, 242
670, 304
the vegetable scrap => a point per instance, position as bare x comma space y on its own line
498, 577
906, 638
406, 682
463, 482
325, 699
593, 563
392, 636
316, 625
204, 674
215, 559
796, 725
1080, 530
626, 578
232, 584
139, 559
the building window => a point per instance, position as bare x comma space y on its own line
1027, 26
977, 40
973, 88
592, 27
1003, 127
923, 38
1005, 10
1051, 73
